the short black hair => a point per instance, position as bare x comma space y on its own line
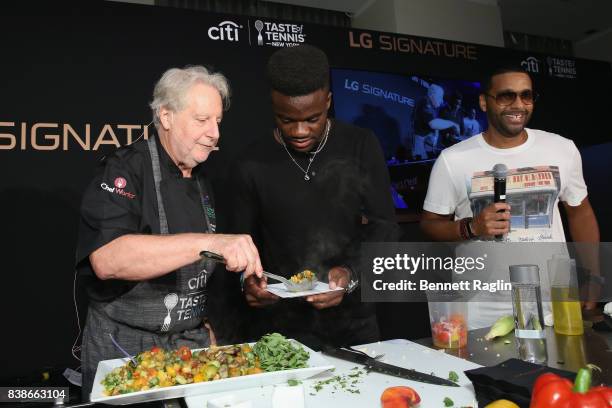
456, 96
487, 81
299, 70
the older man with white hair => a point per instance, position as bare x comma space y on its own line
146, 217
427, 123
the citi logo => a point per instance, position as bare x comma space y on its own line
531, 64
226, 30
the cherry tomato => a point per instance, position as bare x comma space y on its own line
184, 353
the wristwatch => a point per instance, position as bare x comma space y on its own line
353, 284
465, 229
353, 280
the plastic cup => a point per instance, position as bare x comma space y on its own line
567, 314
571, 350
448, 324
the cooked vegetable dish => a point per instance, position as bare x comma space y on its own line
305, 275
160, 368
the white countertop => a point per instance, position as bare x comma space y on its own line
371, 385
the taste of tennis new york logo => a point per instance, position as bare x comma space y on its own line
279, 34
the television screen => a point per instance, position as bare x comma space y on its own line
414, 118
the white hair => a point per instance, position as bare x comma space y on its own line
435, 94
175, 83
435, 91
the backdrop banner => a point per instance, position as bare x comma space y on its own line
76, 84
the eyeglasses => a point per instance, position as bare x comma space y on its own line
528, 97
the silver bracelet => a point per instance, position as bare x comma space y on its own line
353, 283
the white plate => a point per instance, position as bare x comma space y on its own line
316, 365
280, 290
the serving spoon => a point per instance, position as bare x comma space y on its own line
306, 284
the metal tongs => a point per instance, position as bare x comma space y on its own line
291, 286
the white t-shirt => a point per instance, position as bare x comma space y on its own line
543, 170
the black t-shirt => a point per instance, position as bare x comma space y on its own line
315, 224
121, 200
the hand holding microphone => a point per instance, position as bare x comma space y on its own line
494, 220
500, 171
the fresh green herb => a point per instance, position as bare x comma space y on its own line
448, 402
276, 353
293, 383
453, 376
347, 382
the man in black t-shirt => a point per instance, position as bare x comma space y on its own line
303, 191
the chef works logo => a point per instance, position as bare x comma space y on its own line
279, 34
531, 64
120, 184
225, 31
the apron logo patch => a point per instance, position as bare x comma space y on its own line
170, 301
198, 282
191, 306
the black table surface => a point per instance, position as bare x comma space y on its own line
564, 352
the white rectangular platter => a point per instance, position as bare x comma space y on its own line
316, 364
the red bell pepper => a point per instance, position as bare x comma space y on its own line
552, 391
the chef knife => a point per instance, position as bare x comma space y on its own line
384, 368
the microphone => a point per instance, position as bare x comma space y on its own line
500, 171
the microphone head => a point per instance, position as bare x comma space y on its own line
500, 170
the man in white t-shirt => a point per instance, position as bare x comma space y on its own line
543, 169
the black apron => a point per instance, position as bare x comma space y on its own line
167, 311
